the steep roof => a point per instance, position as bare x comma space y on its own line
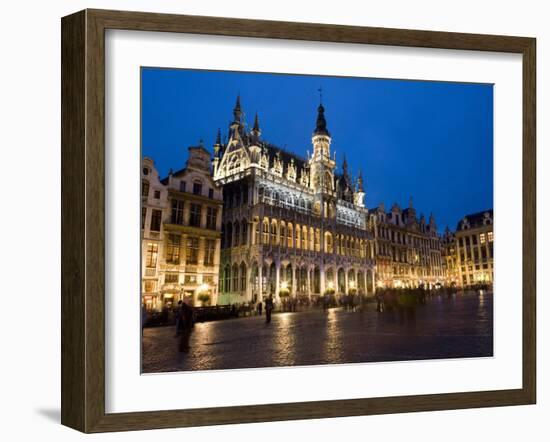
475, 219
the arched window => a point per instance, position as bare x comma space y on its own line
273, 232
298, 236
317, 240
328, 181
304, 237
235, 275
197, 187
236, 234
227, 279
290, 234
257, 233
288, 276
282, 234
328, 243
243, 277
265, 231
311, 239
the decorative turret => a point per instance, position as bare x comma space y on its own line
359, 186
321, 126
433, 226
218, 143
256, 132
359, 195
217, 151
237, 112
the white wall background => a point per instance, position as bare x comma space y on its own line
30, 252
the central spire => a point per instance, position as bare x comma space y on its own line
321, 126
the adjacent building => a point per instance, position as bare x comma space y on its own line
181, 233
408, 249
450, 259
292, 225
474, 241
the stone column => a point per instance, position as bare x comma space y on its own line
260, 280
248, 294
346, 282
186, 212
203, 215
277, 280
183, 257
251, 231
293, 285
322, 279
308, 283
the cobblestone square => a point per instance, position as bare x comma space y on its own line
460, 326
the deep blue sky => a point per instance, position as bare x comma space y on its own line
429, 140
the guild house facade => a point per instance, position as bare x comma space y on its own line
181, 233
408, 249
292, 225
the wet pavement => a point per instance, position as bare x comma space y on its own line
457, 327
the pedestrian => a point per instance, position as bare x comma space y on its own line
260, 307
186, 323
178, 318
379, 300
268, 309
143, 316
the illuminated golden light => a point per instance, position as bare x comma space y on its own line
330, 285
284, 285
203, 288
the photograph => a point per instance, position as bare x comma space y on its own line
301, 220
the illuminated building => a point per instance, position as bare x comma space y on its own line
450, 259
408, 250
291, 225
181, 223
474, 249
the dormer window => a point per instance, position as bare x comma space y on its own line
145, 188
197, 187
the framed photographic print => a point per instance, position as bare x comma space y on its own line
267, 221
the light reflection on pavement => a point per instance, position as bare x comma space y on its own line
456, 327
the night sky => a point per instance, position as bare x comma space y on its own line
429, 140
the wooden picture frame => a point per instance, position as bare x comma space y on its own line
83, 220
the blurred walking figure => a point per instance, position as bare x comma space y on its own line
178, 316
185, 322
268, 309
260, 308
379, 300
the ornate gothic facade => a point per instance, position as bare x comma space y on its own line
291, 225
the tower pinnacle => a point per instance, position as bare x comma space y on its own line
321, 126
237, 112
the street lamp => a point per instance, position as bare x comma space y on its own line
202, 293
